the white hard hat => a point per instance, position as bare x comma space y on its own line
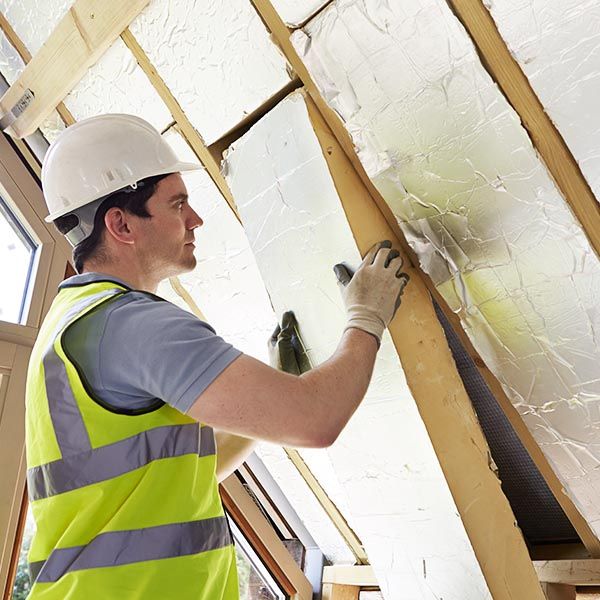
100, 155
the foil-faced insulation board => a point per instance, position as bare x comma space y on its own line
454, 164
557, 45
399, 502
115, 83
216, 57
227, 287
295, 13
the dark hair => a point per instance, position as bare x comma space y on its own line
131, 200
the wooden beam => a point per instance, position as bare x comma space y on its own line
569, 572
78, 41
281, 35
357, 575
548, 142
329, 507
559, 591
431, 373
334, 591
219, 146
25, 55
184, 125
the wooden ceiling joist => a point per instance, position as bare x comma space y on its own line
78, 41
281, 35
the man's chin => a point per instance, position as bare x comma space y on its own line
189, 264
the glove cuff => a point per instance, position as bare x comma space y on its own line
359, 317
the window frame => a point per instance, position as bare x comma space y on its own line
264, 540
21, 192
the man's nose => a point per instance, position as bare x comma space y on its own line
194, 220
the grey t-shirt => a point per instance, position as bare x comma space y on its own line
135, 349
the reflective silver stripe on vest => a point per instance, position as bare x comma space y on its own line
71, 434
125, 547
208, 445
106, 462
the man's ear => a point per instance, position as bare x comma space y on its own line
119, 226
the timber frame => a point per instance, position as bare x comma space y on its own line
87, 32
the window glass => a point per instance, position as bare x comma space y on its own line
22, 586
256, 583
17, 250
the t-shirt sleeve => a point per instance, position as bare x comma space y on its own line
155, 349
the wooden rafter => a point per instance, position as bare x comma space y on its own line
184, 125
333, 512
281, 35
442, 401
23, 52
550, 145
81, 37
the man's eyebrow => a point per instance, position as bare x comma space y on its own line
178, 197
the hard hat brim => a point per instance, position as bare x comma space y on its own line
179, 167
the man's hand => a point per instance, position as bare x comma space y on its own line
286, 349
372, 295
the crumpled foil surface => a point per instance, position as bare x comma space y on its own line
477, 205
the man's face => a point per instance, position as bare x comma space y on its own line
166, 240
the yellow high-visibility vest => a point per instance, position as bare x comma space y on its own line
126, 504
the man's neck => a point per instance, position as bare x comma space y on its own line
136, 281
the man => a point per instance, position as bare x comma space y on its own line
122, 478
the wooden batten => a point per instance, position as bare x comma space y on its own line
442, 401
183, 124
333, 591
329, 507
23, 52
78, 41
569, 572
356, 575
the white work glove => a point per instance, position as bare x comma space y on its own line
372, 294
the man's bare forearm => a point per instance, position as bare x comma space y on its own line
341, 382
232, 451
